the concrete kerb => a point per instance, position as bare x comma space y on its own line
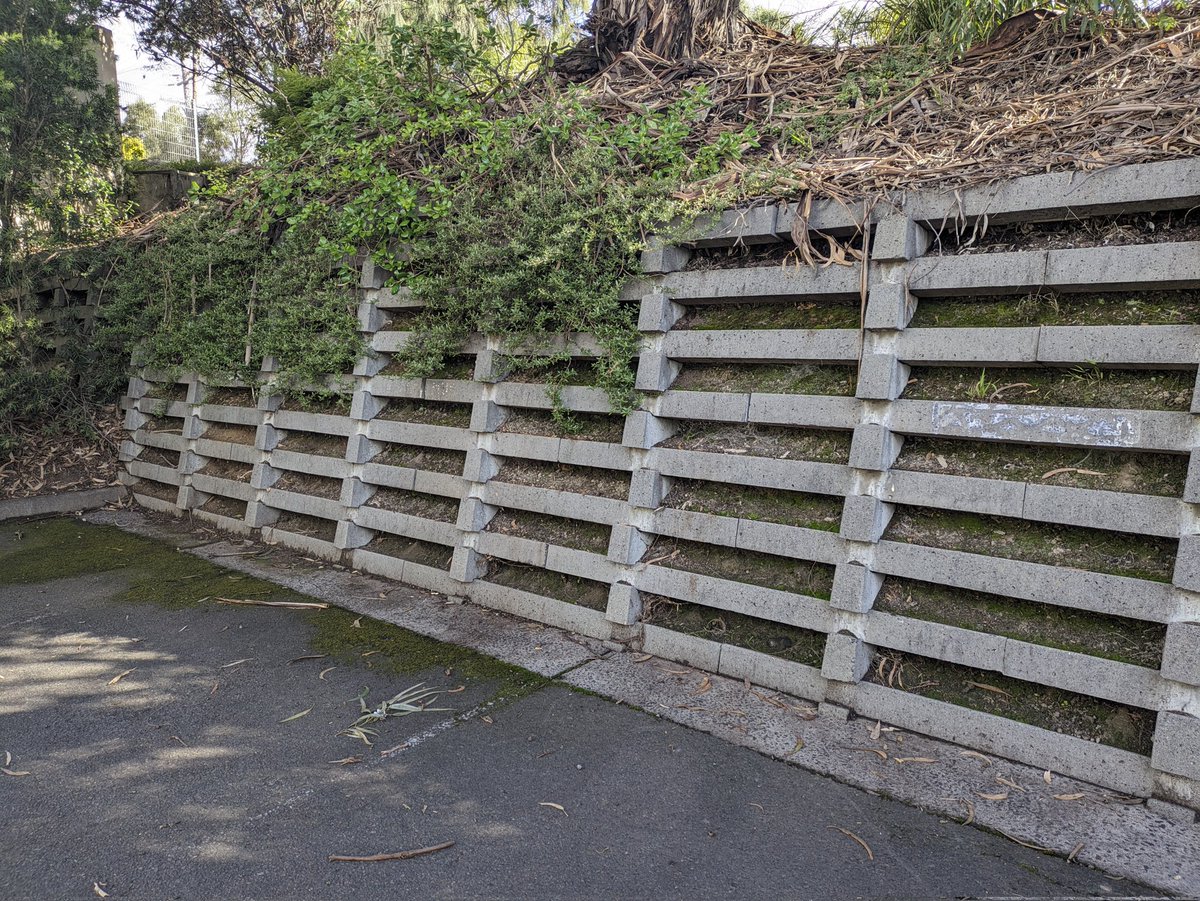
60, 502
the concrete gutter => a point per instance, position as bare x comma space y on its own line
60, 502
1158, 846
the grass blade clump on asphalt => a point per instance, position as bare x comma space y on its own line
412, 700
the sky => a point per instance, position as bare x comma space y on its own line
142, 79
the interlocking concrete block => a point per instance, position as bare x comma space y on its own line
771, 672
600, 454
658, 313
655, 372
1187, 563
361, 449
1113, 510
855, 588
533, 447
350, 536
710, 406
370, 318
321, 423
474, 515
1062, 586
211, 485
583, 564
874, 447
365, 405
658, 258
259, 515
980, 273
304, 504
1130, 267
946, 492
370, 364
1177, 744
267, 401
373, 275
898, 238
624, 604
889, 305
378, 564
128, 451
138, 387
1168, 810
155, 473
738, 597
690, 525
761, 284
647, 488
847, 658
864, 518
491, 366
487, 416
134, 420
1181, 655
790, 541
1191, 488
826, 345
1134, 346
356, 492
312, 464
467, 565
881, 377
480, 465
267, 437
806, 411
1029, 424
644, 430
627, 545
686, 649
264, 476
1083, 674
973, 346
756, 225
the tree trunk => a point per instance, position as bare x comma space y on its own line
671, 29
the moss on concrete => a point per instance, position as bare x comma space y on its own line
549, 584
768, 378
791, 508
572, 533
736, 316
782, 443
782, 573
1026, 310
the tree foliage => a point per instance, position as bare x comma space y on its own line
58, 130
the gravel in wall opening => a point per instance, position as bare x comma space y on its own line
1092, 719
333, 446
604, 427
415, 503
1136, 556
791, 508
1112, 637
427, 412
429, 459
779, 442
303, 483
777, 315
232, 434
308, 526
159, 457
227, 469
224, 506
752, 567
426, 553
1133, 472
1084, 385
792, 643
589, 480
548, 584
1122, 229
768, 378
572, 533
1051, 308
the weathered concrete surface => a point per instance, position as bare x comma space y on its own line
180, 780
1130, 841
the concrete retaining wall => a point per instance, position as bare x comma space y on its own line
230, 478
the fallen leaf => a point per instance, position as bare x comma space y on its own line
986, 761
236, 662
798, 748
369, 653
357, 624
882, 755
289, 605
1073, 797
397, 855
321, 675
1000, 796
557, 807
454, 691
875, 730
705, 686
1004, 780
347, 761
99, 891
992, 688
914, 760
7, 758
849, 834
677, 672
119, 676
296, 716
7, 772
308, 657
642, 658
1046, 777
487, 719
1075, 852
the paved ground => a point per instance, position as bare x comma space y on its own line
179, 780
